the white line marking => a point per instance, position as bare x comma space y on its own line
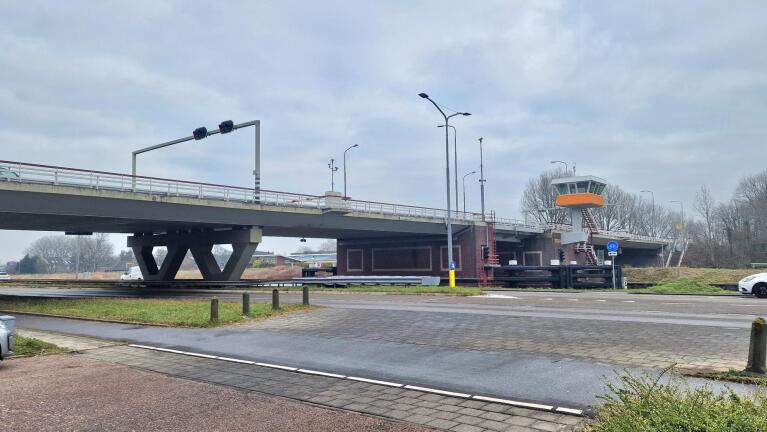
170, 350
234, 360
515, 403
673, 303
573, 299
372, 381
569, 411
269, 365
198, 355
141, 346
498, 296
602, 301
327, 374
629, 301
442, 392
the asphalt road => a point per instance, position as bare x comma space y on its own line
547, 347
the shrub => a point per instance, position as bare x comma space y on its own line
646, 404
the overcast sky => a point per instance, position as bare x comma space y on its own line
649, 95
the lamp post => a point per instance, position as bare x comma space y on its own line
567, 170
201, 133
347, 149
481, 179
464, 190
451, 263
333, 169
681, 207
455, 161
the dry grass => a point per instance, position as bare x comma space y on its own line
271, 273
704, 275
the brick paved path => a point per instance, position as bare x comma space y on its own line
437, 411
620, 343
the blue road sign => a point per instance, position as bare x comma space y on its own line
452, 265
612, 246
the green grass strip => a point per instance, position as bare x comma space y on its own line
183, 313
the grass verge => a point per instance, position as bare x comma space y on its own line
683, 286
654, 275
28, 347
416, 289
182, 313
654, 404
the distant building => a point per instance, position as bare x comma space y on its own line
318, 259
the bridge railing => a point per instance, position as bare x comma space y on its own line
101, 180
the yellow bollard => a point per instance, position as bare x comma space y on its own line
452, 278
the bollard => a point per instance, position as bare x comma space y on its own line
214, 309
246, 304
275, 299
757, 348
306, 295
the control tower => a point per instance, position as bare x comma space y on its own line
579, 195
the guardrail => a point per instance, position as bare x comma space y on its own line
20, 172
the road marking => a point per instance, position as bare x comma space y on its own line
327, 374
233, 360
530, 405
498, 296
573, 299
515, 403
601, 301
549, 298
269, 365
199, 355
569, 411
442, 392
372, 381
676, 303
629, 301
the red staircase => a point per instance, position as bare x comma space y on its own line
485, 266
589, 225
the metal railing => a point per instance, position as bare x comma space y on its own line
19, 172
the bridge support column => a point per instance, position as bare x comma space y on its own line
243, 241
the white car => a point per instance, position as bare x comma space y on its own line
7, 330
133, 273
4, 276
755, 284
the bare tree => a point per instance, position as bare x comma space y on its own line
706, 208
538, 199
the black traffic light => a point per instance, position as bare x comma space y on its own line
200, 133
485, 252
226, 126
561, 256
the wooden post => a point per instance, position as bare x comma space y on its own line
275, 299
306, 295
214, 309
757, 348
246, 304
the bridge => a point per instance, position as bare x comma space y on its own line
192, 216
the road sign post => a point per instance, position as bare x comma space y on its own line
612, 251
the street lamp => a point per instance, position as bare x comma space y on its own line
347, 149
567, 170
482, 179
464, 190
333, 169
455, 160
201, 133
451, 263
